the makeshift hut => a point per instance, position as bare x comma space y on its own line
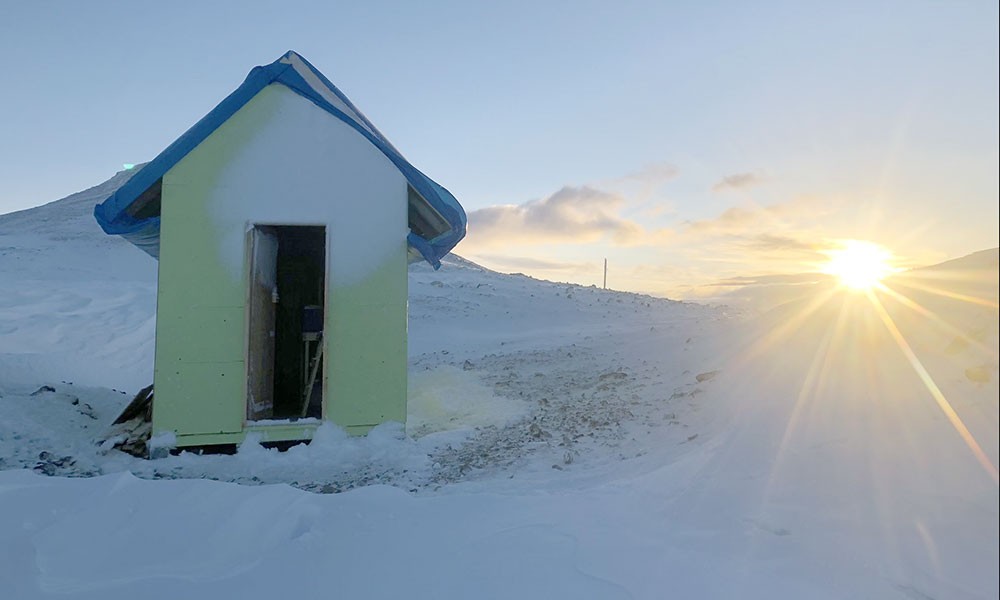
283, 223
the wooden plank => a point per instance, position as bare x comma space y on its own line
260, 344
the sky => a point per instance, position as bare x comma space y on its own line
692, 144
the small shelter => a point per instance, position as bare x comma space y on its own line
283, 223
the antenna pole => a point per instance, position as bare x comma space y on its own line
605, 273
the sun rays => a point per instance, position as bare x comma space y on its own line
933, 388
859, 265
851, 323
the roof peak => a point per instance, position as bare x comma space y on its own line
296, 73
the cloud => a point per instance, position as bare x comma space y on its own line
756, 246
732, 218
571, 215
771, 242
782, 237
772, 217
767, 280
737, 181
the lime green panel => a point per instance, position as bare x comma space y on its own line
366, 347
203, 408
210, 439
189, 251
201, 310
359, 429
268, 433
200, 301
226, 324
284, 433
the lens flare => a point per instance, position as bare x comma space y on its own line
859, 265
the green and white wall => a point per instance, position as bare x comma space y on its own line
279, 160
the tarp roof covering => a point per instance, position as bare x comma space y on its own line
443, 220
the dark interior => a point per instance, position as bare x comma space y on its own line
301, 282
423, 219
148, 203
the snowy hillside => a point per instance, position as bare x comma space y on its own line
562, 442
75, 304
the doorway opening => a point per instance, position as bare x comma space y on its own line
285, 322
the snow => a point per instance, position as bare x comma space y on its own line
164, 440
68, 310
562, 442
449, 398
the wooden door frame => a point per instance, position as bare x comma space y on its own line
249, 226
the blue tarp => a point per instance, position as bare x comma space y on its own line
296, 73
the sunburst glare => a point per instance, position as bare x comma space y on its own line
860, 268
859, 265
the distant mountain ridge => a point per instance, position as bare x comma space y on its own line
983, 259
27, 232
75, 209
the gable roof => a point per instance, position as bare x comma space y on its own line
437, 220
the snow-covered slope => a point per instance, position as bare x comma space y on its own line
75, 304
562, 442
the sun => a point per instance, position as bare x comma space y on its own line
859, 265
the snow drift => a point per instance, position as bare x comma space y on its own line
563, 442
